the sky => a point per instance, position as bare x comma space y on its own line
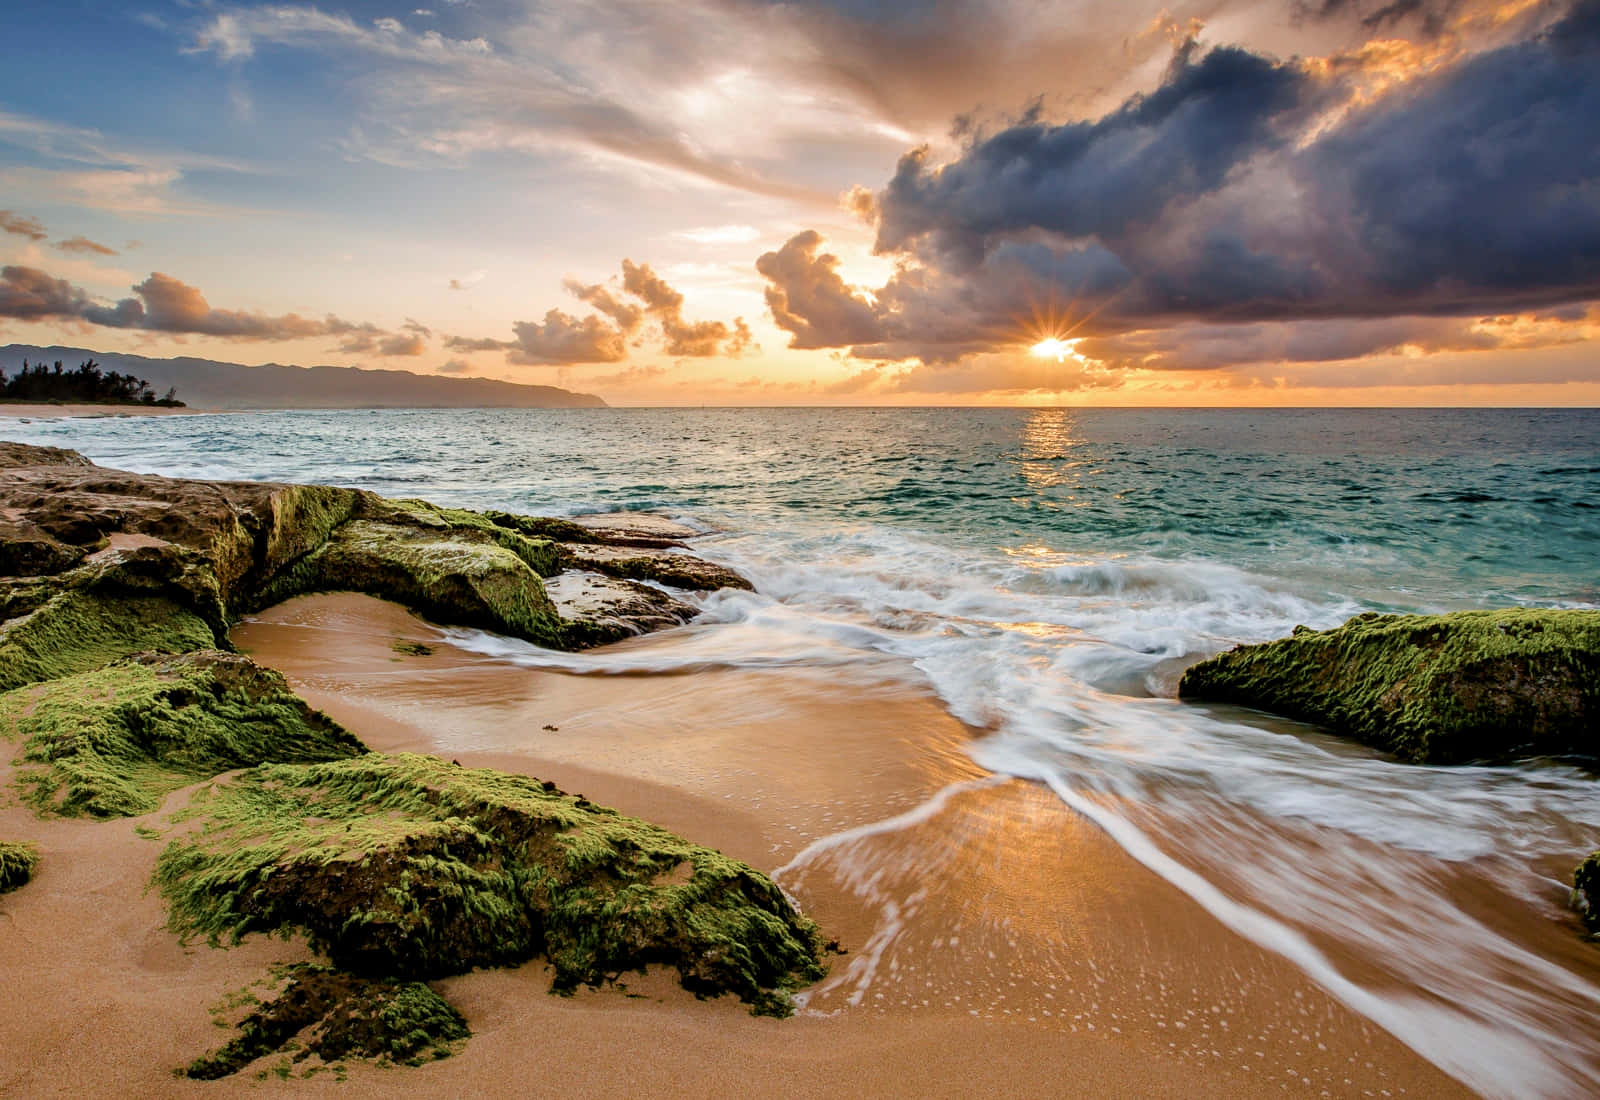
746, 202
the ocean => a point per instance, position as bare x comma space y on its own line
1048, 573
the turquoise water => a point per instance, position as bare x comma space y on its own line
1047, 573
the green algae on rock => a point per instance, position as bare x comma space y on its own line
455, 576
79, 630
1586, 891
1432, 689
332, 1015
17, 864
409, 867
114, 741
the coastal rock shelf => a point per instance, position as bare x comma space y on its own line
79, 540
118, 687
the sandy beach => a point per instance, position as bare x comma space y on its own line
28, 411
995, 940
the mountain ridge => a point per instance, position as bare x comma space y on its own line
214, 384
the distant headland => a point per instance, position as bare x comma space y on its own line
209, 384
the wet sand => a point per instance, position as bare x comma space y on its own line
996, 941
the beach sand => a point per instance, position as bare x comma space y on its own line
29, 411
996, 941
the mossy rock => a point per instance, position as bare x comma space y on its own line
409, 867
542, 527
1434, 689
1586, 891
663, 567
113, 742
539, 553
17, 864
76, 630
332, 1015
455, 576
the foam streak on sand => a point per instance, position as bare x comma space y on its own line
863, 967
1446, 1038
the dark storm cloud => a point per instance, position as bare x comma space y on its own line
165, 304
1095, 178
1242, 190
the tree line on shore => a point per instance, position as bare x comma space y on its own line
87, 383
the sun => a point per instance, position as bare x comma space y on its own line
1053, 347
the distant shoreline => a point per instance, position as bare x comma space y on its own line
49, 410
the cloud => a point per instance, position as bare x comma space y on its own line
455, 366
627, 316
810, 300
85, 245
1241, 191
720, 234
689, 339
467, 282
22, 226
562, 339
162, 303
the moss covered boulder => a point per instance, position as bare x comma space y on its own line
409, 867
323, 1013
1435, 689
114, 741
1586, 891
454, 576
17, 864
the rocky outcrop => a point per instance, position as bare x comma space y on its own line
79, 542
451, 868
117, 686
1432, 689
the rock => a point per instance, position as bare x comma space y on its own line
454, 576
27, 550
661, 566
17, 864
333, 1016
1437, 689
1586, 891
597, 610
13, 455
635, 529
80, 629
215, 550
451, 868
114, 741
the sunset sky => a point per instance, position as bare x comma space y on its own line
1338, 202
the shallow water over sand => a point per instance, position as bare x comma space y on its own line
1046, 575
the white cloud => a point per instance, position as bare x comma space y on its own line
720, 234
